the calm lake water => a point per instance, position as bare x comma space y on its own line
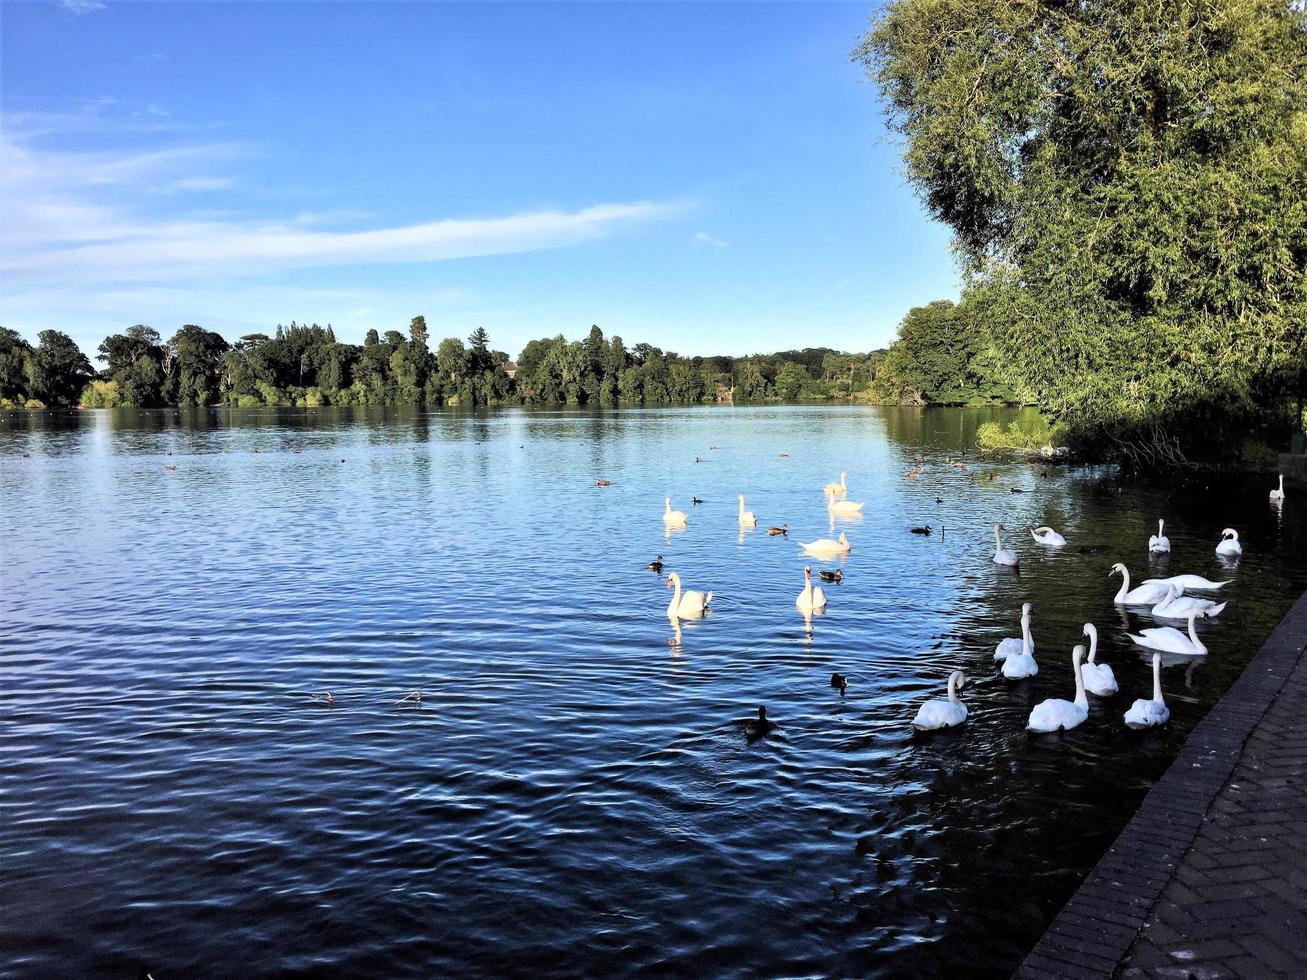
574, 795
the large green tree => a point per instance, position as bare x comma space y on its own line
1127, 187
59, 369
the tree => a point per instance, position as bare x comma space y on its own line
1127, 188
417, 332
59, 370
479, 357
15, 357
197, 355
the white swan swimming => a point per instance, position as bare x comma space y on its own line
810, 599
1055, 714
673, 518
1159, 541
746, 516
828, 546
1278, 495
1099, 678
1149, 714
1013, 645
1190, 583
1020, 665
1178, 606
1145, 595
843, 508
1046, 535
691, 604
1003, 556
1171, 640
940, 713
840, 489
1229, 546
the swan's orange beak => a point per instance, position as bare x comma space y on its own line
668, 585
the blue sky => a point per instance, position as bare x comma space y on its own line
710, 178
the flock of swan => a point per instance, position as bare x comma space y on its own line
1165, 598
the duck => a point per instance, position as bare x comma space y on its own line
1057, 714
840, 489
1159, 542
696, 501
827, 546
1191, 583
924, 529
603, 483
940, 713
656, 565
1229, 546
1176, 605
1099, 678
170, 469
835, 576
1046, 535
746, 516
811, 599
1014, 645
690, 605
1145, 595
1150, 713
1278, 495
783, 529
756, 728
1168, 639
673, 518
839, 681
1003, 556
1020, 665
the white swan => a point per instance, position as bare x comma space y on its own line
1171, 640
940, 713
1021, 665
1176, 606
1002, 556
1013, 645
746, 516
1191, 583
1149, 714
840, 489
673, 518
810, 599
843, 508
1229, 546
1145, 595
1278, 495
1159, 541
1099, 678
828, 546
688, 605
1056, 714
1046, 535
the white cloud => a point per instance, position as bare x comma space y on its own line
80, 7
70, 219
703, 238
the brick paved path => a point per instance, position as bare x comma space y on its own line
1209, 879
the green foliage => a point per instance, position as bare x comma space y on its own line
942, 357
1127, 188
992, 437
102, 394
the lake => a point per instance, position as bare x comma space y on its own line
574, 794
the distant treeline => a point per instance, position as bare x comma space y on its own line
935, 360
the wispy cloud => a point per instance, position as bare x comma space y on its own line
71, 219
703, 238
80, 7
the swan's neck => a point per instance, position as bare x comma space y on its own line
1159, 527
845, 486
1193, 635
668, 508
1025, 635
953, 688
1081, 699
1125, 583
741, 506
1093, 645
998, 542
1157, 679
675, 604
